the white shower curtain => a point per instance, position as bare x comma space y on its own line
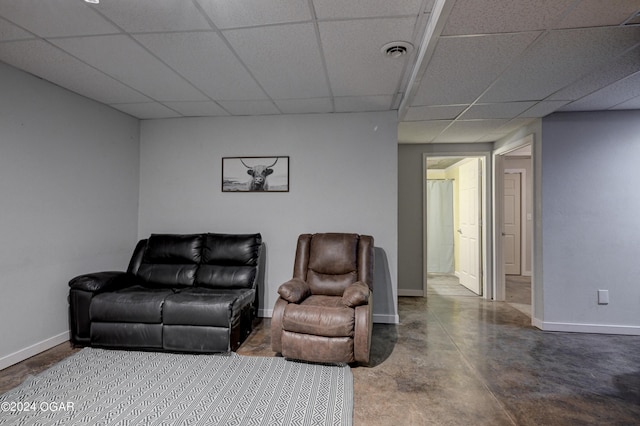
440, 226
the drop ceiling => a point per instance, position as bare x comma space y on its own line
478, 70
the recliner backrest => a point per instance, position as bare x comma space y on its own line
229, 261
330, 262
170, 259
225, 261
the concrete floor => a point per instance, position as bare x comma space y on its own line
456, 359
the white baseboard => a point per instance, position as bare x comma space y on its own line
265, 313
630, 330
377, 318
410, 293
386, 319
35, 349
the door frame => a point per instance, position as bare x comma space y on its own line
498, 213
486, 245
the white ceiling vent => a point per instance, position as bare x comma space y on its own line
396, 49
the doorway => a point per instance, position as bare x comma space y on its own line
454, 206
514, 228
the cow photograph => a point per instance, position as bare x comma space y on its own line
255, 174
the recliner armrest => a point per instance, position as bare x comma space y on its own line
294, 291
356, 294
99, 282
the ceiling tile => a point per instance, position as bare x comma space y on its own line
125, 60
633, 103
359, 68
504, 130
420, 131
42, 59
502, 110
362, 103
198, 56
8, 32
436, 112
304, 106
250, 107
340, 9
558, 60
56, 18
247, 13
608, 97
469, 130
472, 63
153, 15
514, 124
503, 16
542, 109
597, 13
285, 59
491, 137
442, 163
609, 73
149, 110
197, 109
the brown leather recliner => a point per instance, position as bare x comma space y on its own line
324, 313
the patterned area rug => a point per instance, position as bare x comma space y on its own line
108, 387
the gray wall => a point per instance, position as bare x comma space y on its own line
410, 202
590, 226
343, 178
69, 188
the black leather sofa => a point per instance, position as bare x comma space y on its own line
191, 293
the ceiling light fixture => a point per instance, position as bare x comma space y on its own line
92, 1
396, 49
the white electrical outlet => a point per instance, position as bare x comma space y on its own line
603, 297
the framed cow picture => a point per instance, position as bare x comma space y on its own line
255, 174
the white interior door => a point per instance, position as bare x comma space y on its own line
469, 205
512, 224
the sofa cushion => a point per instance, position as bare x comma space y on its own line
319, 320
173, 249
226, 277
133, 304
204, 307
333, 254
171, 260
229, 261
332, 263
160, 275
231, 249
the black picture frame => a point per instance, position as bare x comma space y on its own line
255, 174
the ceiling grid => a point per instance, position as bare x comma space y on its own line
477, 71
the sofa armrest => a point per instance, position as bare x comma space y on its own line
357, 294
99, 282
294, 290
